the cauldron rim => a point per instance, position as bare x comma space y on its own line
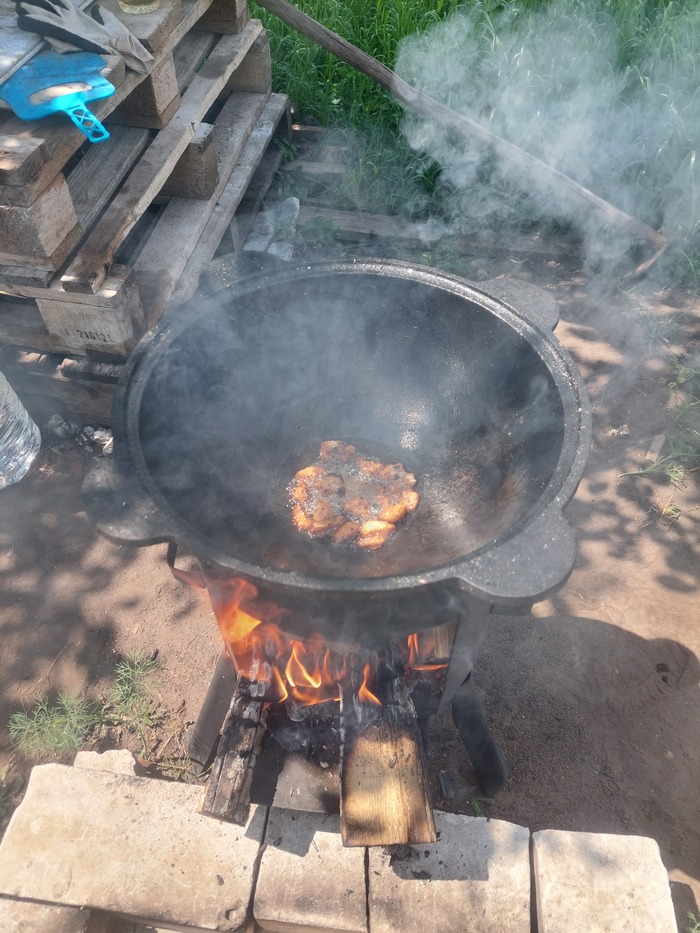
531, 559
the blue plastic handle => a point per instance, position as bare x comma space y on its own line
87, 123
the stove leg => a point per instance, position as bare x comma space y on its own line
472, 624
202, 738
491, 768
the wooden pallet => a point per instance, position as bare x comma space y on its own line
96, 240
34, 152
323, 164
118, 282
48, 383
39, 223
50, 379
38, 212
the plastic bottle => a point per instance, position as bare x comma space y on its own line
20, 439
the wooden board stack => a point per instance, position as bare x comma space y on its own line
97, 240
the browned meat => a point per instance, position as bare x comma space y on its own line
352, 498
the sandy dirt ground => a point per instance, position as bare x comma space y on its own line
593, 697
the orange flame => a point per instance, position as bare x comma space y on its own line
308, 671
417, 653
280, 685
259, 649
296, 672
364, 693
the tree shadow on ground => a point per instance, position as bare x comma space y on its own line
56, 573
601, 727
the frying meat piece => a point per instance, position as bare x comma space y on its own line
352, 498
330, 484
337, 449
374, 534
358, 508
393, 513
347, 532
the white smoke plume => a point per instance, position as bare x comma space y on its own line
567, 84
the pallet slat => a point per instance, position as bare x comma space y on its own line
231, 196
171, 245
38, 381
88, 270
99, 173
384, 797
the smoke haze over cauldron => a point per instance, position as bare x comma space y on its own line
550, 82
221, 407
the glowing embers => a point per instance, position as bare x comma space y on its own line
281, 667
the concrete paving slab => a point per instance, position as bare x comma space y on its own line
129, 845
308, 882
475, 877
118, 761
27, 917
599, 883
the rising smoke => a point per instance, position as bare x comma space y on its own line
566, 83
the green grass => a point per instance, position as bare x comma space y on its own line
478, 803
127, 697
129, 702
60, 728
329, 91
680, 456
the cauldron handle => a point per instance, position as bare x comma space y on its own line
119, 506
529, 301
527, 567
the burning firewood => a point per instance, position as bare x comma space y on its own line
384, 796
351, 498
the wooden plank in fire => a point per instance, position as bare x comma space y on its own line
443, 636
384, 796
228, 791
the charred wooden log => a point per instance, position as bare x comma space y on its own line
228, 791
203, 738
425, 680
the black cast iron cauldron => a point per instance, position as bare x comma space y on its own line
221, 405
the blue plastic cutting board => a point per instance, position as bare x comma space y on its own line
49, 70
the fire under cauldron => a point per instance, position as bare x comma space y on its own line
222, 404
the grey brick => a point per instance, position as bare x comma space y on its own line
475, 877
129, 845
597, 883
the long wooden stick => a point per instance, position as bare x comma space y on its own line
435, 110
